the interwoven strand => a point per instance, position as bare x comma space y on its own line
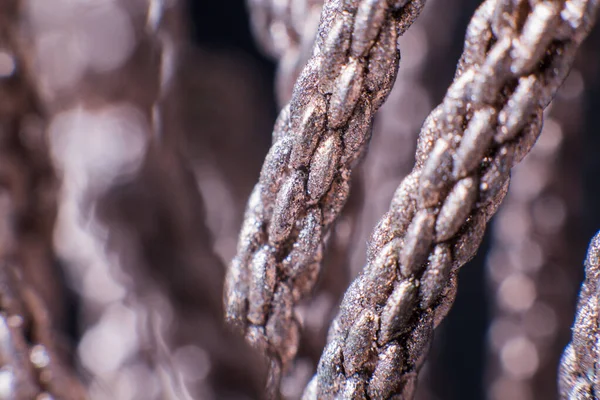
304, 182
533, 249
579, 370
517, 53
286, 31
397, 125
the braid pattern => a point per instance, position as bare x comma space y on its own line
517, 53
304, 182
534, 244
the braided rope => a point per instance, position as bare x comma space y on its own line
529, 276
304, 182
317, 312
392, 149
397, 124
516, 55
578, 375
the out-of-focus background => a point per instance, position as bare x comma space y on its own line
133, 134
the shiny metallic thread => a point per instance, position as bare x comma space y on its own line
516, 56
397, 123
305, 178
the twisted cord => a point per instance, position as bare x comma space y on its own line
392, 148
397, 124
532, 247
304, 182
286, 31
578, 373
516, 55
317, 312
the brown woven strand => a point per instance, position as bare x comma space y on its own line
516, 56
305, 178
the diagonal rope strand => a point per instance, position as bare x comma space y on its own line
517, 53
305, 179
